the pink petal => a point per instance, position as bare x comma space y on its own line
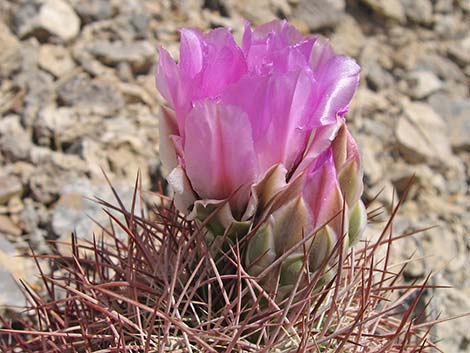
275, 47
219, 153
278, 109
191, 52
322, 193
321, 140
167, 77
224, 63
280, 29
168, 128
337, 78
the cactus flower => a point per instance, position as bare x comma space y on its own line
240, 114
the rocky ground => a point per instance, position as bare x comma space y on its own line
77, 95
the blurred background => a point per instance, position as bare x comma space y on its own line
77, 94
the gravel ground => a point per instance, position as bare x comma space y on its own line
77, 95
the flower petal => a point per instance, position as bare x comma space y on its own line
275, 47
192, 50
278, 109
219, 153
167, 150
224, 62
337, 78
322, 193
183, 193
167, 77
320, 139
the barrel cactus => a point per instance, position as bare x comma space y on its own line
255, 144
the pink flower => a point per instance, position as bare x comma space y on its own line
237, 112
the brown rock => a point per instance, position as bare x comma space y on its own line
13, 266
10, 54
10, 187
8, 227
392, 9
419, 11
421, 135
422, 83
320, 14
348, 38
140, 55
55, 60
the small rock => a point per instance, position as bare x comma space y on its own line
93, 153
124, 72
140, 55
460, 51
425, 180
15, 206
459, 125
55, 17
61, 126
377, 77
55, 60
444, 6
366, 102
383, 192
15, 142
59, 18
464, 5
418, 11
442, 66
44, 187
8, 227
14, 267
55, 162
40, 89
10, 55
136, 94
454, 334
257, 12
320, 14
373, 171
74, 213
93, 96
94, 10
140, 24
422, 83
32, 217
348, 38
410, 251
451, 246
407, 55
448, 26
392, 9
10, 186
421, 135
456, 114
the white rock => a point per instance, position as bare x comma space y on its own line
58, 18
